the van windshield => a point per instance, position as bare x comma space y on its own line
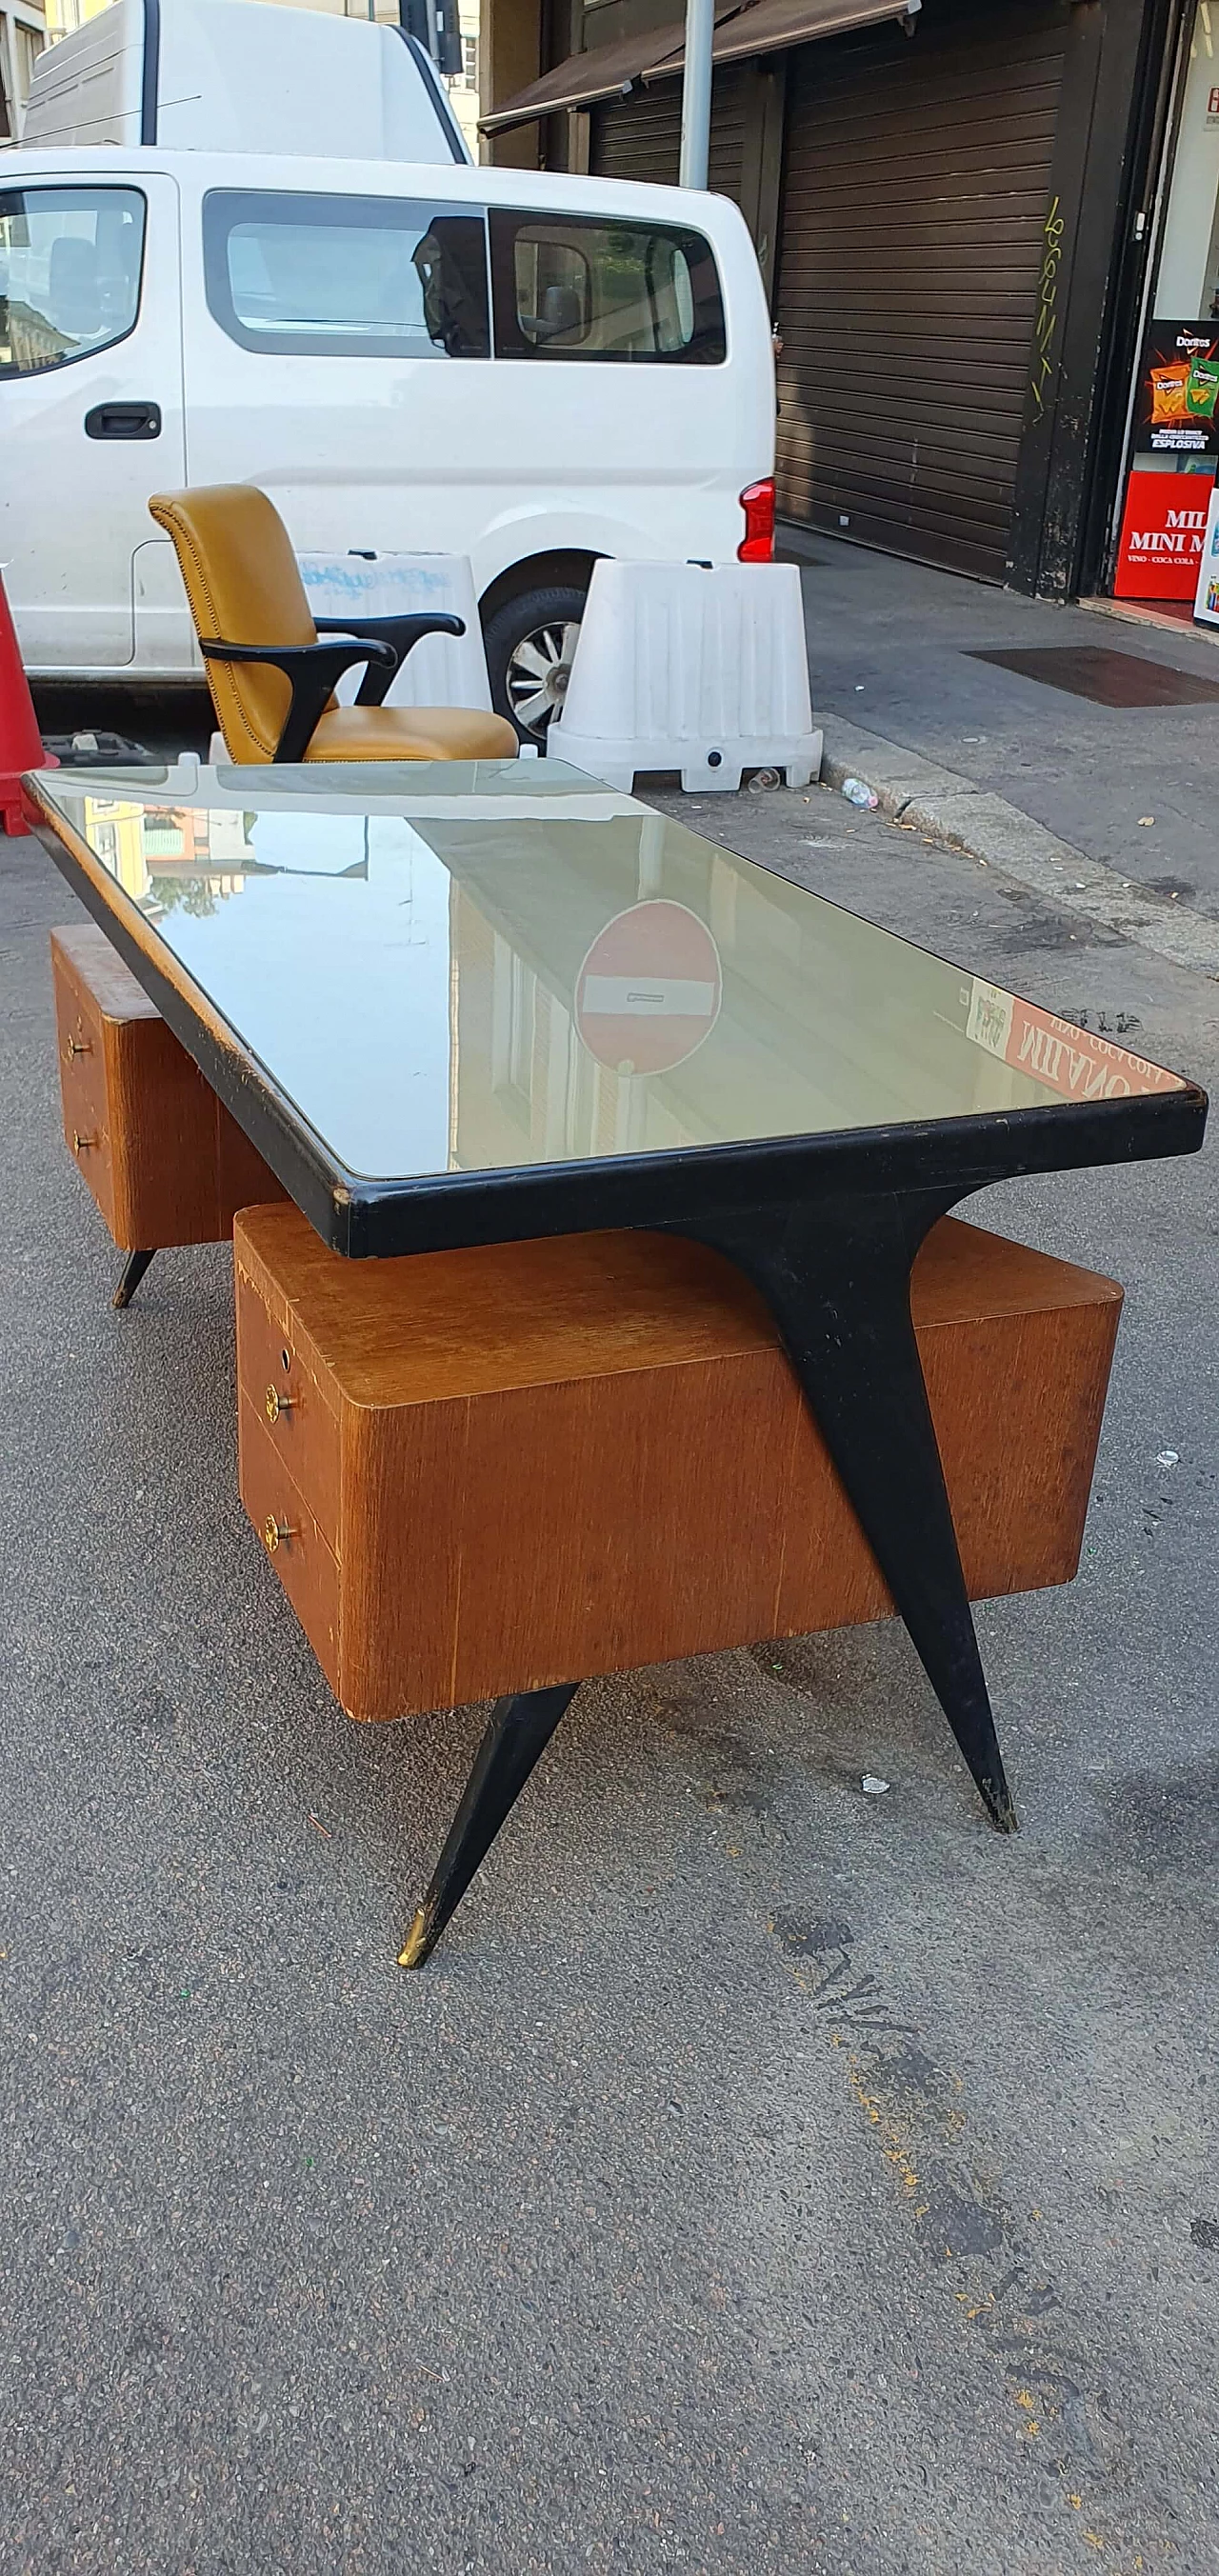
70, 261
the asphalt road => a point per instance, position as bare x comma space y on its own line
764, 2179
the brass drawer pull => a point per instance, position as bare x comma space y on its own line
274, 1532
277, 1403
76, 1046
82, 1144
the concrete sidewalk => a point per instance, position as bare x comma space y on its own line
1016, 772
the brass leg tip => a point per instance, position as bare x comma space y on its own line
417, 1943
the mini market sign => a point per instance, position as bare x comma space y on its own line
1163, 530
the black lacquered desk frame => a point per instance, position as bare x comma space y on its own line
826, 1226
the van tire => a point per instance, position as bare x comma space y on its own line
529, 647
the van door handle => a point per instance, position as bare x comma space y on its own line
123, 420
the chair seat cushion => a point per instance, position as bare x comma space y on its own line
412, 733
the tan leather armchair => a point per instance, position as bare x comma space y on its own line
272, 669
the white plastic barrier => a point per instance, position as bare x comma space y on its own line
444, 670
703, 671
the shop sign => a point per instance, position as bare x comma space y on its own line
1075, 1062
1178, 397
1206, 605
1162, 534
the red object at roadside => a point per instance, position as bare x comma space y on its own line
1162, 533
20, 740
758, 543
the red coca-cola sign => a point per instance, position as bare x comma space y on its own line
1162, 534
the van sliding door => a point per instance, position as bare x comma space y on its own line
336, 350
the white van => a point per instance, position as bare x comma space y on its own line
197, 76
530, 370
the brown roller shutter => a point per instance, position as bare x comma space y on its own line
915, 193
640, 137
727, 148
637, 137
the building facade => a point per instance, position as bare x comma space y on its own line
23, 33
1167, 446
966, 212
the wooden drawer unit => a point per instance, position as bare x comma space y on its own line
538, 1461
166, 1164
289, 1531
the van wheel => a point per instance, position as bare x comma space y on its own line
530, 642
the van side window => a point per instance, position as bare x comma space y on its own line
346, 277
70, 261
578, 286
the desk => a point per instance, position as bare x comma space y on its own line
477, 1005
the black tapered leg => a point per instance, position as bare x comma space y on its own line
520, 1729
134, 1268
836, 1276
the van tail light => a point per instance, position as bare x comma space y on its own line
758, 503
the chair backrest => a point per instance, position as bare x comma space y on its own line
244, 587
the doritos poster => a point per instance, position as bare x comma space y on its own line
1178, 408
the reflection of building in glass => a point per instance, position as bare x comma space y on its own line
168, 855
825, 1022
195, 858
529, 1090
116, 831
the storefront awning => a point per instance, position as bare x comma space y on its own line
606, 71
758, 27
767, 25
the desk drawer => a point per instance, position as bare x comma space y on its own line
84, 1091
164, 1160
281, 1389
306, 1566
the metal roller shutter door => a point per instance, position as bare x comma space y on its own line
915, 195
640, 137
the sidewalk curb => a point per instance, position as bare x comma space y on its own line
954, 810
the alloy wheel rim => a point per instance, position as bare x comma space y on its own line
539, 668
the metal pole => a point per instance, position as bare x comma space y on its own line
696, 94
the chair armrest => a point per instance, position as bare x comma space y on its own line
311, 671
402, 632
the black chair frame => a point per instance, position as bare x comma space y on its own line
312, 670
